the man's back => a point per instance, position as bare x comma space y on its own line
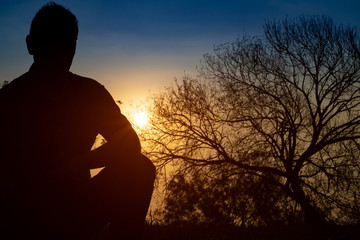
49, 123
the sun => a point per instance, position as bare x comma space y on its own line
140, 119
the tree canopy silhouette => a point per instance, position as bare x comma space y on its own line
282, 107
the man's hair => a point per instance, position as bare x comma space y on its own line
52, 23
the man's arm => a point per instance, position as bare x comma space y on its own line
121, 144
122, 141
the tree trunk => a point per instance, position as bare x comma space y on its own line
313, 216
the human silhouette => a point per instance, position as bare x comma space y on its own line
49, 119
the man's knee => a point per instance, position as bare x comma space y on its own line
149, 168
128, 173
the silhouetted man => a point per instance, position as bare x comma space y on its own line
49, 120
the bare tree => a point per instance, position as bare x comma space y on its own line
283, 107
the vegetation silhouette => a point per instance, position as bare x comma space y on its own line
273, 119
50, 118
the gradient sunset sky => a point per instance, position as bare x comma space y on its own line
137, 47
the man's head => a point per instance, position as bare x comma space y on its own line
52, 37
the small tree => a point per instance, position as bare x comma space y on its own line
239, 200
283, 107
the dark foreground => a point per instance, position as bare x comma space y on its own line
298, 232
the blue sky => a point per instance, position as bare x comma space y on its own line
136, 47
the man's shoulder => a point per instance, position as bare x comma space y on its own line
86, 83
14, 84
84, 80
89, 87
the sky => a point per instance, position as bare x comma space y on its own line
137, 47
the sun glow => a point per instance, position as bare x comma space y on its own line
140, 119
